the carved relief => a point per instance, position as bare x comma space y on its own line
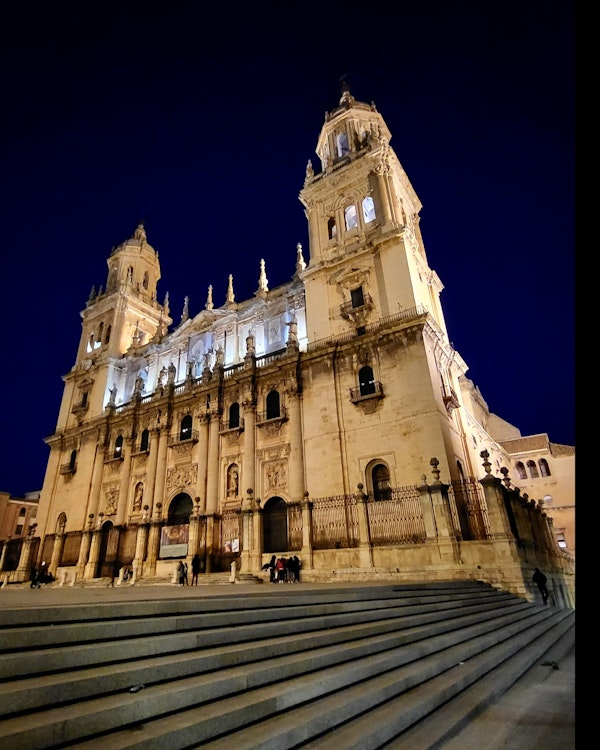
111, 498
182, 450
181, 477
276, 475
274, 453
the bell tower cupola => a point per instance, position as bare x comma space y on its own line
367, 259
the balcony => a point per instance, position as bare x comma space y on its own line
81, 408
262, 419
187, 436
451, 401
366, 392
67, 469
226, 427
357, 314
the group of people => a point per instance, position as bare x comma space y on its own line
283, 569
41, 575
182, 571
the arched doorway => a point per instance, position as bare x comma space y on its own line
275, 525
108, 554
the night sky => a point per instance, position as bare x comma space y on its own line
201, 125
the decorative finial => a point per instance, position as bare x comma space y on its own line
486, 464
263, 282
209, 300
300, 264
185, 314
230, 298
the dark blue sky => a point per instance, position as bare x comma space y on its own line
201, 125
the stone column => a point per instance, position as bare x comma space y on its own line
92, 563
427, 510
296, 459
202, 454
57, 550
4, 550
149, 484
248, 478
84, 548
97, 474
140, 548
365, 549
194, 530
499, 523
161, 468
23, 572
384, 195
307, 536
124, 482
212, 474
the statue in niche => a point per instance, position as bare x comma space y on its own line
172, 371
139, 494
232, 481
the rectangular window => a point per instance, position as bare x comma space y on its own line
357, 297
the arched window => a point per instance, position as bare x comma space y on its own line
118, 447
381, 482
341, 145
107, 337
368, 207
61, 523
351, 217
366, 381
533, 470
145, 280
185, 430
145, 441
273, 406
73, 461
544, 468
331, 228
520, 467
234, 416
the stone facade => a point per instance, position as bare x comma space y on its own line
342, 381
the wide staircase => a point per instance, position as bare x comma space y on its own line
341, 667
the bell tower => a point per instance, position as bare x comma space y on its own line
123, 317
367, 259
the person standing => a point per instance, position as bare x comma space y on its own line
195, 569
185, 574
540, 581
180, 574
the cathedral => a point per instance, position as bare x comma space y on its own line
328, 418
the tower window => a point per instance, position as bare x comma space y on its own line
341, 145
351, 217
145, 441
533, 470
331, 228
368, 207
544, 468
520, 467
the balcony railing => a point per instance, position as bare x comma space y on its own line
69, 468
263, 418
189, 436
347, 308
366, 391
226, 427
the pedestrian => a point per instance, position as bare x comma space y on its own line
185, 574
540, 581
195, 569
180, 574
271, 566
35, 581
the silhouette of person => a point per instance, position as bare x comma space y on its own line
540, 581
195, 569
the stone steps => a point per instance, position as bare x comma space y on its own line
271, 670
